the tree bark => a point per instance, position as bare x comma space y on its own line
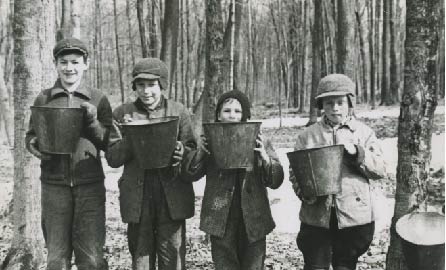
170, 36
316, 36
33, 71
418, 104
118, 55
129, 29
303, 87
346, 39
142, 28
5, 113
214, 54
386, 95
75, 16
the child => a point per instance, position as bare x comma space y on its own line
155, 203
235, 209
73, 192
337, 229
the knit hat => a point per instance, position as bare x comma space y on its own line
335, 85
242, 98
70, 44
152, 69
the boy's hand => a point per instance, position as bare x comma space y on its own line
350, 148
178, 154
260, 148
34, 149
90, 111
202, 149
298, 192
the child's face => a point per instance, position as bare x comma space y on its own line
336, 108
148, 91
231, 111
70, 68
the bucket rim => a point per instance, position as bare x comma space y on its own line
230, 123
150, 122
408, 235
315, 148
58, 108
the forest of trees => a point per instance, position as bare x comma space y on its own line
275, 51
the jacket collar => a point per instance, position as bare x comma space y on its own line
142, 107
349, 122
81, 90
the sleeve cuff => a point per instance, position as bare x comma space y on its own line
360, 155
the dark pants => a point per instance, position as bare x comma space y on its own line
233, 251
157, 233
339, 247
73, 219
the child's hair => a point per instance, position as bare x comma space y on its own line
74, 51
229, 97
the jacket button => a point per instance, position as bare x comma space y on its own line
358, 199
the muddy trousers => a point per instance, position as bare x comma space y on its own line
233, 251
157, 236
73, 220
339, 247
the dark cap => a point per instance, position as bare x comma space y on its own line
152, 69
70, 44
241, 97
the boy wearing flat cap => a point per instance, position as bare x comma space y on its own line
73, 192
155, 202
337, 229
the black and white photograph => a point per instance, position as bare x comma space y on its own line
222, 135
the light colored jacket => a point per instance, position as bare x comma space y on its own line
354, 205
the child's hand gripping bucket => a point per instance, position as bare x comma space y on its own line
318, 170
153, 141
232, 144
422, 237
58, 130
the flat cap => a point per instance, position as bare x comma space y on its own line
335, 85
152, 69
70, 44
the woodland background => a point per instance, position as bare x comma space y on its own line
275, 51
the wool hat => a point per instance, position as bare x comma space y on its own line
335, 85
70, 44
152, 69
241, 97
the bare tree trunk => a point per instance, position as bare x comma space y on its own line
372, 54
75, 15
142, 28
394, 48
154, 30
5, 114
316, 36
386, 98
170, 36
279, 63
118, 55
416, 117
214, 53
346, 39
97, 43
32, 72
129, 29
303, 59
239, 4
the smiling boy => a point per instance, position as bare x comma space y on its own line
155, 203
73, 192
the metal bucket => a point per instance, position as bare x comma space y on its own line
58, 129
153, 140
422, 238
232, 144
318, 170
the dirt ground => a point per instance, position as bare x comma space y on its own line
282, 252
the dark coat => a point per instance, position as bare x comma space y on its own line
179, 194
84, 165
219, 191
